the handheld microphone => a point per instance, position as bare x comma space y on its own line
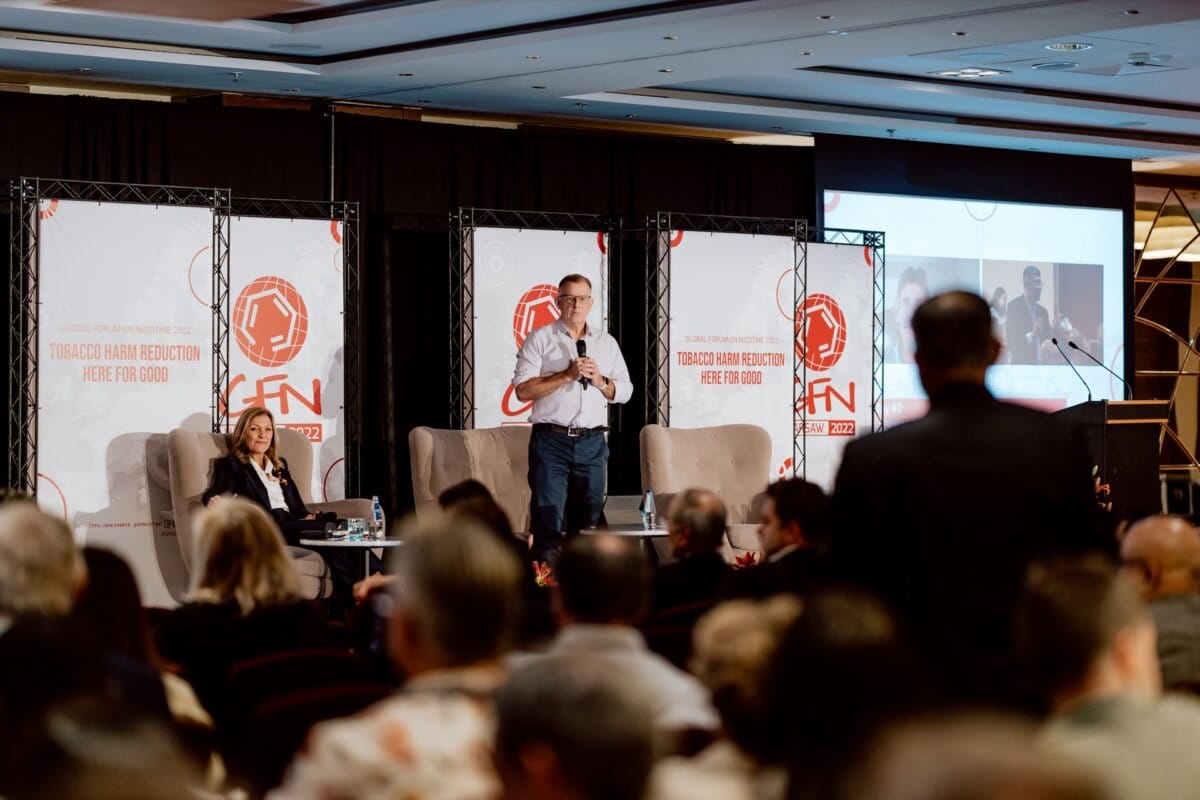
1058, 347
1099, 363
581, 349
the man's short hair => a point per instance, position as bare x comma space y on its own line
1028, 271
601, 736
574, 278
806, 504
602, 579
703, 514
1069, 612
40, 566
462, 585
954, 329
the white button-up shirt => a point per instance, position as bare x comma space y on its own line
550, 349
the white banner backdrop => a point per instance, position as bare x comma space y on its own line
731, 335
833, 335
287, 329
124, 355
515, 290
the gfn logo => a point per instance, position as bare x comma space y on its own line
820, 332
537, 307
270, 321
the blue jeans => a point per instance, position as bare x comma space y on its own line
566, 477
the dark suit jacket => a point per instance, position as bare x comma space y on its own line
231, 476
690, 580
797, 572
1018, 322
942, 515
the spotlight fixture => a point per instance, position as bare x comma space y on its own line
825, 16
533, 58
670, 37
960, 33
83, 70
404, 74
1068, 47
970, 72
631, 116
666, 69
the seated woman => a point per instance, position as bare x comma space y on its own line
246, 602
254, 470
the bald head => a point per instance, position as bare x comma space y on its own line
1163, 552
955, 341
602, 579
696, 522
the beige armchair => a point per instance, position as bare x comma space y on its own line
496, 457
732, 460
190, 459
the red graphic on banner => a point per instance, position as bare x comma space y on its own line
47, 211
191, 288
832, 202
784, 469
335, 230
270, 321
677, 239
600, 243
820, 332
537, 307
506, 404
62, 497
867, 255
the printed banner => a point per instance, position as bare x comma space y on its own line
731, 332
833, 336
516, 275
287, 293
124, 356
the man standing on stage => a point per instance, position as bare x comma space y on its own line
571, 373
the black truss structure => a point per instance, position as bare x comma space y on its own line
347, 214
463, 223
26, 195
660, 228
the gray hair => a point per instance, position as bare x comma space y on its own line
40, 566
462, 584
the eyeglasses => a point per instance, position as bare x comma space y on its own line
574, 299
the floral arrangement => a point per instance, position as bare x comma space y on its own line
1102, 490
746, 559
543, 574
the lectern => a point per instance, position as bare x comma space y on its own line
1123, 438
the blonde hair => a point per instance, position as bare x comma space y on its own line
242, 558
238, 446
40, 566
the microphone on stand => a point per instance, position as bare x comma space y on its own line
1058, 347
1101, 364
581, 349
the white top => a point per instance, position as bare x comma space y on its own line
273, 486
550, 349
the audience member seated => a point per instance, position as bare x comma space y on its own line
841, 673
109, 611
736, 644
1089, 642
455, 611
793, 535
43, 657
246, 602
941, 516
688, 586
1162, 554
254, 470
567, 730
967, 757
602, 591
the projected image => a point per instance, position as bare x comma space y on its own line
1047, 272
1035, 303
918, 277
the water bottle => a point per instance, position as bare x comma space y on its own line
376, 518
648, 513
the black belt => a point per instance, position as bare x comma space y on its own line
566, 431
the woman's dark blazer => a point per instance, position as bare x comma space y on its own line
231, 476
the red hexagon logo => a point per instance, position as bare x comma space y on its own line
537, 307
820, 332
270, 321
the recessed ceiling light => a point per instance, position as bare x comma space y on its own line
776, 127
1133, 123
292, 90
1132, 12
300, 46
666, 69
1053, 66
424, 102
959, 33
404, 74
825, 16
581, 106
970, 72
83, 70
805, 53
537, 87
670, 37
631, 116
1068, 47
836, 32
533, 58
